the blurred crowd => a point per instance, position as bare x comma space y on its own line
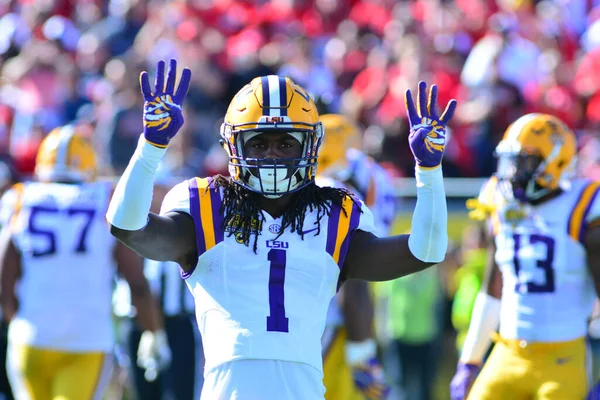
65, 60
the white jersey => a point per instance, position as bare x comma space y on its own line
548, 291
66, 252
270, 304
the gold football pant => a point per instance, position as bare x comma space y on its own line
337, 374
542, 371
45, 374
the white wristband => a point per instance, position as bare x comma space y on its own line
428, 240
484, 321
360, 352
131, 201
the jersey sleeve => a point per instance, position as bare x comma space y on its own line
366, 222
177, 199
594, 211
486, 193
10, 202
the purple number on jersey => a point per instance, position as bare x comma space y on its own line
545, 264
34, 230
50, 235
277, 321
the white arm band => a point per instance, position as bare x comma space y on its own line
428, 239
131, 201
360, 352
484, 321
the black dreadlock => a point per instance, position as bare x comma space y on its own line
243, 217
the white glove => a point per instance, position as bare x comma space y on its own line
154, 353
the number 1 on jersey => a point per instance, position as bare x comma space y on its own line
277, 321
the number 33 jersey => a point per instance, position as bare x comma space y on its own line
67, 265
548, 291
270, 304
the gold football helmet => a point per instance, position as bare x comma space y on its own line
536, 154
341, 134
65, 155
272, 103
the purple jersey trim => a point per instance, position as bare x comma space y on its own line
214, 198
583, 228
354, 220
332, 228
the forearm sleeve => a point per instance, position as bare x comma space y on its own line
428, 240
130, 203
484, 321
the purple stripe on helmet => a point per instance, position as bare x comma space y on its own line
195, 212
215, 202
354, 220
266, 99
583, 227
282, 96
332, 228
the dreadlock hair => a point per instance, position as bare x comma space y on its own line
243, 217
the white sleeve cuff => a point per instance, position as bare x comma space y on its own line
484, 321
132, 198
428, 239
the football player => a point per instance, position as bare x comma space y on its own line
57, 273
264, 250
543, 271
351, 369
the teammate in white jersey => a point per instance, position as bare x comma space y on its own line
57, 276
264, 250
544, 262
351, 368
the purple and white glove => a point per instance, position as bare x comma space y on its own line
370, 380
463, 380
594, 393
162, 108
427, 137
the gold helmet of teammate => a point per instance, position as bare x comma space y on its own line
341, 134
267, 104
65, 155
536, 154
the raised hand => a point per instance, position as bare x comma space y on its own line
162, 108
370, 380
460, 386
427, 138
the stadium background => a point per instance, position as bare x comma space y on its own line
69, 61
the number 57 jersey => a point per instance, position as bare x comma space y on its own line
67, 265
548, 291
269, 304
